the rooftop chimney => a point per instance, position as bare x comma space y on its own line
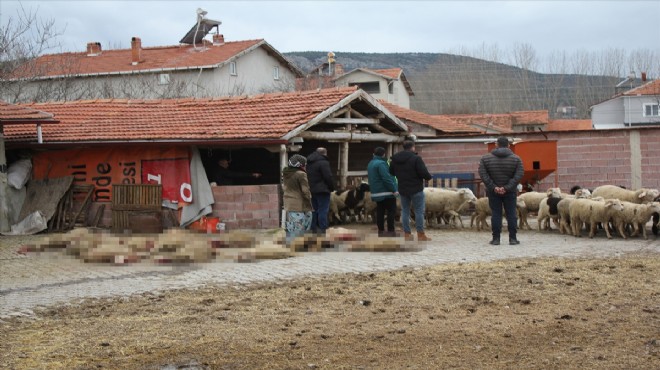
93, 49
643, 76
136, 49
218, 39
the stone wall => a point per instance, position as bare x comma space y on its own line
247, 206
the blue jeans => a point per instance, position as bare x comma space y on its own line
418, 206
496, 202
321, 205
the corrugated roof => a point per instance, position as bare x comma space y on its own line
261, 117
440, 123
152, 59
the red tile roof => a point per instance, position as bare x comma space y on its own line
153, 59
11, 113
502, 121
650, 88
569, 125
440, 123
390, 72
262, 117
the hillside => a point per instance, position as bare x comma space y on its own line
446, 83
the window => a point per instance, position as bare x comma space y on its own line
232, 69
390, 87
651, 110
368, 87
276, 73
163, 79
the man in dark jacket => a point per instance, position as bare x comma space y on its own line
500, 171
383, 191
226, 176
410, 171
321, 184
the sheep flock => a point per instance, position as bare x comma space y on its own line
608, 209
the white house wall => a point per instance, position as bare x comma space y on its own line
254, 76
622, 111
399, 97
634, 106
608, 115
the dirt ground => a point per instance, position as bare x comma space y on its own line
525, 313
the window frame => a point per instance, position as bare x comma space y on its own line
276, 73
233, 71
369, 83
650, 106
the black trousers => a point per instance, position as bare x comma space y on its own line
386, 205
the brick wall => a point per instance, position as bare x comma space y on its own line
585, 158
247, 207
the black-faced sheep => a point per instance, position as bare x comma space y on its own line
638, 196
347, 202
548, 208
532, 201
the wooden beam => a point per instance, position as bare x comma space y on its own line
347, 136
352, 121
382, 129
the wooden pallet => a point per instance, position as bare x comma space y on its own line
137, 202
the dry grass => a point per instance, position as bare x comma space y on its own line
538, 313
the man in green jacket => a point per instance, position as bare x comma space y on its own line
383, 191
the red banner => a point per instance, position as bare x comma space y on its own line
103, 167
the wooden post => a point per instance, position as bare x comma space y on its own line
4, 206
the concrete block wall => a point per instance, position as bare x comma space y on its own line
585, 158
247, 206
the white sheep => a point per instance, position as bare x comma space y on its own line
439, 201
635, 215
638, 196
532, 201
593, 212
562, 209
482, 210
549, 208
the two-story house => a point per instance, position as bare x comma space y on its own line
639, 106
389, 85
197, 67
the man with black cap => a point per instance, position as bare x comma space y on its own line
500, 171
383, 191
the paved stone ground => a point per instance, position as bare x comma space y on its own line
38, 280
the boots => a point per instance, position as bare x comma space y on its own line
409, 237
422, 237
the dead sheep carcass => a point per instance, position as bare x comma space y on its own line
592, 212
482, 211
638, 196
441, 203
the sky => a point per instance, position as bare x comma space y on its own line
361, 26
